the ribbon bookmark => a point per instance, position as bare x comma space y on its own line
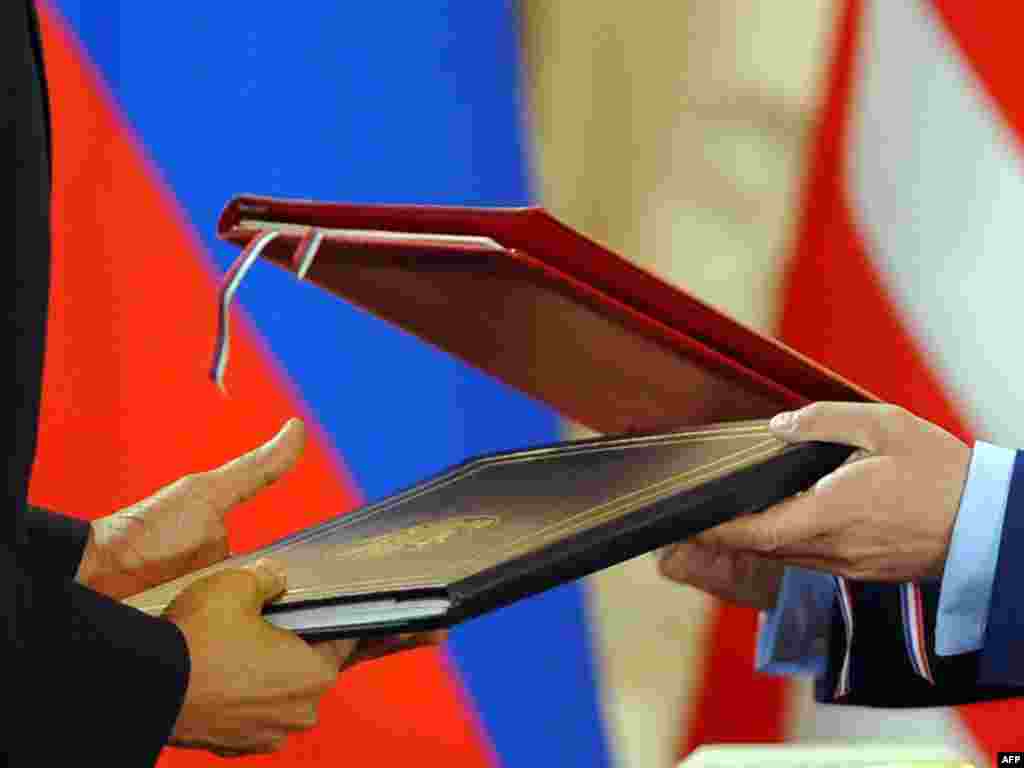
914, 636
843, 684
232, 280
306, 250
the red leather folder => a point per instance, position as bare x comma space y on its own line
543, 308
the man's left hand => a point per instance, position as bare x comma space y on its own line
885, 515
181, 528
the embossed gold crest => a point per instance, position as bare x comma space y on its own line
416, 538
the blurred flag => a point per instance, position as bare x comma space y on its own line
907, 270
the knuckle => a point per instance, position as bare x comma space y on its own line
265, 470
671, 571
849, 563
894, 414
277, 741
665, 566
890, 422
270, 742
327, 679
854, 571
874, 432
324, 677
199, 486
807, 416
772, 539
259, 477
670, 564
229, 583
900, 419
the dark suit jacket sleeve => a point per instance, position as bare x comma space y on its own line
87, 680
54, 539
880, 670
107, 681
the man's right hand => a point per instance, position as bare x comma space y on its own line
743, 578
250, 684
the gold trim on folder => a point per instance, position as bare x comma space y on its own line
494, 509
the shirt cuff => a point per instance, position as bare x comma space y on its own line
793, 636
970, 570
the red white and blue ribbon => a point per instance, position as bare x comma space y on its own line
306, 250
846, 609
232, 280
914, 635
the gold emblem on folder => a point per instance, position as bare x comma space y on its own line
416, 538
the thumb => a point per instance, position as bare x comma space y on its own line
242, 478
871, 426
268, 581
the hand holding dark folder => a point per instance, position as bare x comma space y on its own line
563, 319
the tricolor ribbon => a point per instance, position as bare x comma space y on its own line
302, 259
232, 280
846, 610
914, 636
306, 250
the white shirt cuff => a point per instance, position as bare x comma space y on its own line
966, 589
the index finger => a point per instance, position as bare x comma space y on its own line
772, 531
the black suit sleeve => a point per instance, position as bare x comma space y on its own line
86, 679
54, 539
107, 680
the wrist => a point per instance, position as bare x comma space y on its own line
89, 565
99, 569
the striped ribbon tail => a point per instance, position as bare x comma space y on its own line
232, 280
846, 611
306, 250
914, 636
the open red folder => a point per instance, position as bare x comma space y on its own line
541, 307
554, 314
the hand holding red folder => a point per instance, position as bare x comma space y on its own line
887, 515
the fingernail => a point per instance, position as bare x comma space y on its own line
783, 422
273, 442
